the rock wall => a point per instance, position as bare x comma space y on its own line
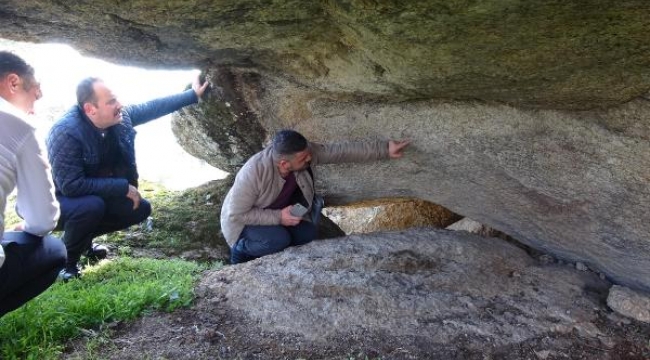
575, 183
534, 52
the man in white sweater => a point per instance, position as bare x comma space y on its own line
30, 259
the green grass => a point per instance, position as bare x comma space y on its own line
11, 218
118, 290
122, 289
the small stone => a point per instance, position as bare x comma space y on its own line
630, 303
581, 267
607, 341
545, 259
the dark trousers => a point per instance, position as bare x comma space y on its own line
86, 217
31, 265
259, 240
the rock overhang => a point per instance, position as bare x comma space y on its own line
523, 115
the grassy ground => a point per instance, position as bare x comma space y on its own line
122, 287
182, 222
109, 292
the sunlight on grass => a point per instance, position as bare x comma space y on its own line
11, 218
110, 291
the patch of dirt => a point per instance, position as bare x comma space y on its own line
207, 331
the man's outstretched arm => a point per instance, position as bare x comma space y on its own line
357, 151
142, 113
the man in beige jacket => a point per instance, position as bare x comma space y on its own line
256, 216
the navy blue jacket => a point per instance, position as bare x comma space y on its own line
74, 147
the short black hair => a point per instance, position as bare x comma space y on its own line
11, 63
288, 142
86, 92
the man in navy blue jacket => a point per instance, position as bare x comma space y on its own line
91, 150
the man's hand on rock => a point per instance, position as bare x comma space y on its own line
199, 88
396, 148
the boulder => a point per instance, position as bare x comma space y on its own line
408, 291
629, 303
474, 227
536, 53
389, 214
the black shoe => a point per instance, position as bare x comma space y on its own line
97, 252
70, 272
237, 257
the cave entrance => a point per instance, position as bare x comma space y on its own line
59, 68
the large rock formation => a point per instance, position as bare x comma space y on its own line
527, 116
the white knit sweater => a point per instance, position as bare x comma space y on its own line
24, 166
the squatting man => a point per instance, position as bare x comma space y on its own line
260, 214
91, 150
30, 258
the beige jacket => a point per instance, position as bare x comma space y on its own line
259, 183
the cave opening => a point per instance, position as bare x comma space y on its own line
59, 68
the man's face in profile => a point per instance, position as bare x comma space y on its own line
28, 91
300, 160
107, 111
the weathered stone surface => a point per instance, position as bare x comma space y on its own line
574, 184
629, 303
223, 129
474, 227
535, 52
389, 214
431, 287
570, 183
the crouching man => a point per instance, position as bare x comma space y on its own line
30, 259
259, 215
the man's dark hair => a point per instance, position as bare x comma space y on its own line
85, 91
287, 143
11, 63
